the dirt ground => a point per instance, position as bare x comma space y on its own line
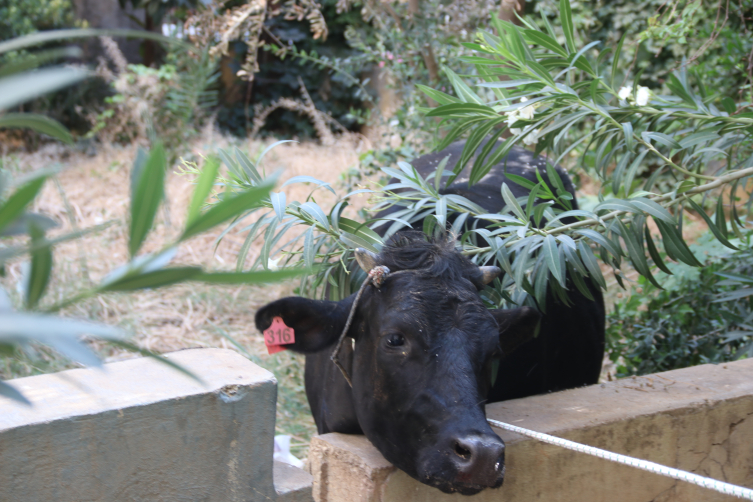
92, 190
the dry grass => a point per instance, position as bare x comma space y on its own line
95, 189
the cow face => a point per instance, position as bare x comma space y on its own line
424, 346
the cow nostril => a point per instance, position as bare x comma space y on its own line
462, 451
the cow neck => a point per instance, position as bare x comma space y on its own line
376, 276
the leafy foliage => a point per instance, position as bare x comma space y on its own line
544, 88
702, 315
170, 102
712, 38
540, 88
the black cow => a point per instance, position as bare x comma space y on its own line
423, 345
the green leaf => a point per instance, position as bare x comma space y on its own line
538, 38
729, 105
316, 213
461, 88
16, 203
675, 245
676, 86
532, 200
154, 279
566, 17
37, 122
617, 205
438, 96
650, 207
474, 140
598, 238
243, 252
616, 58
203, 186
661, 138
589, 260
512, 202
636, 253
20, 88
440, 172
146, 198
255, 277
627, 129
248, 167
39, 58
617, 175
40, 270
227, 208
654, 253
721, 222
308, 248
21, 225
505, 84
374, 241
715, 228
278, 204
632, 170
162, 359
551, 255
309, 179
11, 393
520, 180
460, 110
41, 37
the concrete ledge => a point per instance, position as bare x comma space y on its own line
696, 419
142, 431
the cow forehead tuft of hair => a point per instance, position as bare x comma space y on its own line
411, 250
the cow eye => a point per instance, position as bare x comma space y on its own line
395, 340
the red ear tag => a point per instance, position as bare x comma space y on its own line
277, 335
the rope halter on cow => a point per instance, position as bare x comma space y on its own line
376, 275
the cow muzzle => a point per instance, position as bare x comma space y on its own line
465, 464
479, 460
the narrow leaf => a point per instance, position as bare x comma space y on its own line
16, 203
10, 392
37, 122
551, 255
226, 209
40, 270
715, 228
146, 198
154, 279
203, 186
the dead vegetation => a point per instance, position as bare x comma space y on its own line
92, 190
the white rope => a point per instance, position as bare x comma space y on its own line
713, 484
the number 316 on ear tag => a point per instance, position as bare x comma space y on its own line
277, 335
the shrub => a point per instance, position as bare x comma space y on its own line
170, 102
701, 316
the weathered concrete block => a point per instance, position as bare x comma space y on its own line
696, 419
142, 431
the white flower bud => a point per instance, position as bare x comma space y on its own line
625, 92
642, 96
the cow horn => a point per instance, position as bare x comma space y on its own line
488, 274
366, 259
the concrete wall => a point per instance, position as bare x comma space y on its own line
141, 431
696, 419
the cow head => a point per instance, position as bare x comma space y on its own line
424, 347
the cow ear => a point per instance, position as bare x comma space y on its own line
516, 326
317, 323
